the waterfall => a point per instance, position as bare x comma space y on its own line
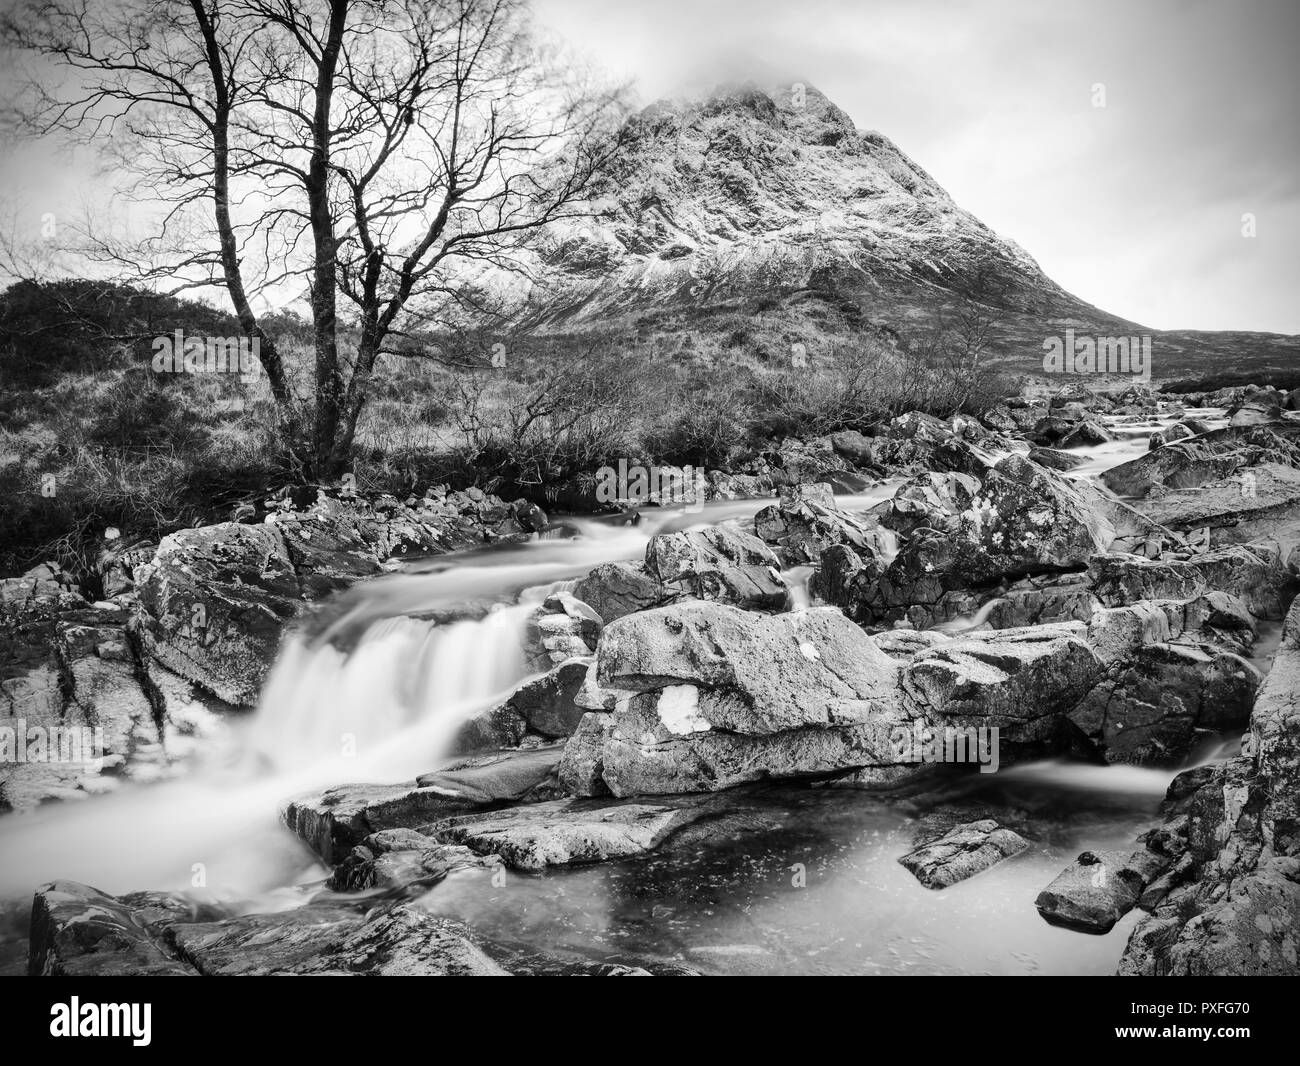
394, 702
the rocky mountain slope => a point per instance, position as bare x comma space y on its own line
772, 204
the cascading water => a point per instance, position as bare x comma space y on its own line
395, 700
378, 692
376, 696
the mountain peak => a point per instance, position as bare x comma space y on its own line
763, 192
795, 106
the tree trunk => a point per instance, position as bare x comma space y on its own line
329, 376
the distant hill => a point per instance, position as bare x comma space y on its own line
755, 203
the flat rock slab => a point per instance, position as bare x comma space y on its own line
336, 820
566, 832
502, 776
962, 852
340, 941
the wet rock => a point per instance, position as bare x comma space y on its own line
1093, 894
1178, 431
217, 600
83, 932
1238, 911
1018, 680
562, 628
329, 549
78, 931
1086, 434
405, 940
544, 707
1054, 459
335, 821
1205, 459
711, 696
963, 533
806, 522
848, 580
1254, 574
1151, 708
567, 832
412, 864
615, 589
962, 852
81, 706
718, 564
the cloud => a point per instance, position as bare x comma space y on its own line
1135, 207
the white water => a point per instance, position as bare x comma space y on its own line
382, 712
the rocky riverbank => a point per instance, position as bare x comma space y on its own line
997, 607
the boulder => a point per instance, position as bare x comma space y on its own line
1259, 503
1086, 434
847, 579
78, 931
1054, 459
1254, 574
962, 852
542, 707
1205, 459
806, 522
324, 939
1021, 681
963, 533
92, 709
217, 600
402, 862
1151, 708
615, 589
82, 932
1093, 894
560, 629
710, 696
1237, 910
853, 446
718, 564
1178, 431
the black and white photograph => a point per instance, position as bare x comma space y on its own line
650, 488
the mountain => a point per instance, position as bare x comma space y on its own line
756, 206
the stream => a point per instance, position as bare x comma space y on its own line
377, 694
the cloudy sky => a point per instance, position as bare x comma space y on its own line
1136, 206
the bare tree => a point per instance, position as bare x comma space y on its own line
382, 152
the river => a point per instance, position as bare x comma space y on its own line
377, 694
